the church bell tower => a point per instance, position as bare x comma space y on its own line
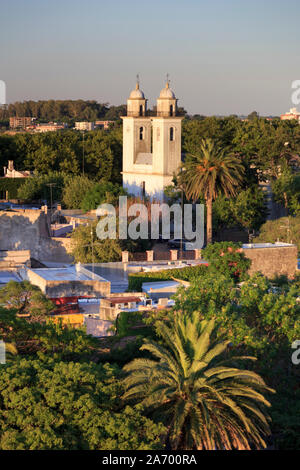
151, 144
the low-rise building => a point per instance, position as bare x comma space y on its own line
84, 126
111, 306
10, 172
291, 114
71, 282
49, 127
104, 124
16, 122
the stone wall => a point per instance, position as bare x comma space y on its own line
28, 229
272, 261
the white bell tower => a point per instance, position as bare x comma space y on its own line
151, 144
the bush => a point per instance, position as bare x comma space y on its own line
227, 258
189, 273
132, 324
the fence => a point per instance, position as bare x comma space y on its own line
167, 255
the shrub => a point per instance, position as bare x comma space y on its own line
189, 273
227, 258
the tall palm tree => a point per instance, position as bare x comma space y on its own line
204, 400
211, 172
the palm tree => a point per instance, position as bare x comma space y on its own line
205, 403
212, 172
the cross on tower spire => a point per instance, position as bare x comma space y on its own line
167, 81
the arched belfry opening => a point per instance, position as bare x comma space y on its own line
142, 133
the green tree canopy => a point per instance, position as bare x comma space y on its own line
54, 405
102, 193
75, 190
26, 299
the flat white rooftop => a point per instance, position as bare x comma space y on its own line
71, 273
266, 245
159, 285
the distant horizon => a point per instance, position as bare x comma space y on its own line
124, 104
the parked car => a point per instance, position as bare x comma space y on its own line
177, 243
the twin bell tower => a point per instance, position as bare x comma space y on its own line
151, 144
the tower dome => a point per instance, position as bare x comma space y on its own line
166, 102
136, 103
167, 92
137, 94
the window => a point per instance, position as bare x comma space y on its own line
141, 110
141, 133
171, 110
171, 133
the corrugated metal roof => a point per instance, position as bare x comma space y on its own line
6, 276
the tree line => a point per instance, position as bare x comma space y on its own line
97, 154
62, 110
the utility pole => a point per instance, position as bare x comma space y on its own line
182, 221
92, 238
51, 185
82, 153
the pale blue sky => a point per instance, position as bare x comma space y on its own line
223, 56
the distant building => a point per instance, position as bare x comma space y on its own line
49, 127
10, 172
291, 114
104, 124
84, 126
16, 122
